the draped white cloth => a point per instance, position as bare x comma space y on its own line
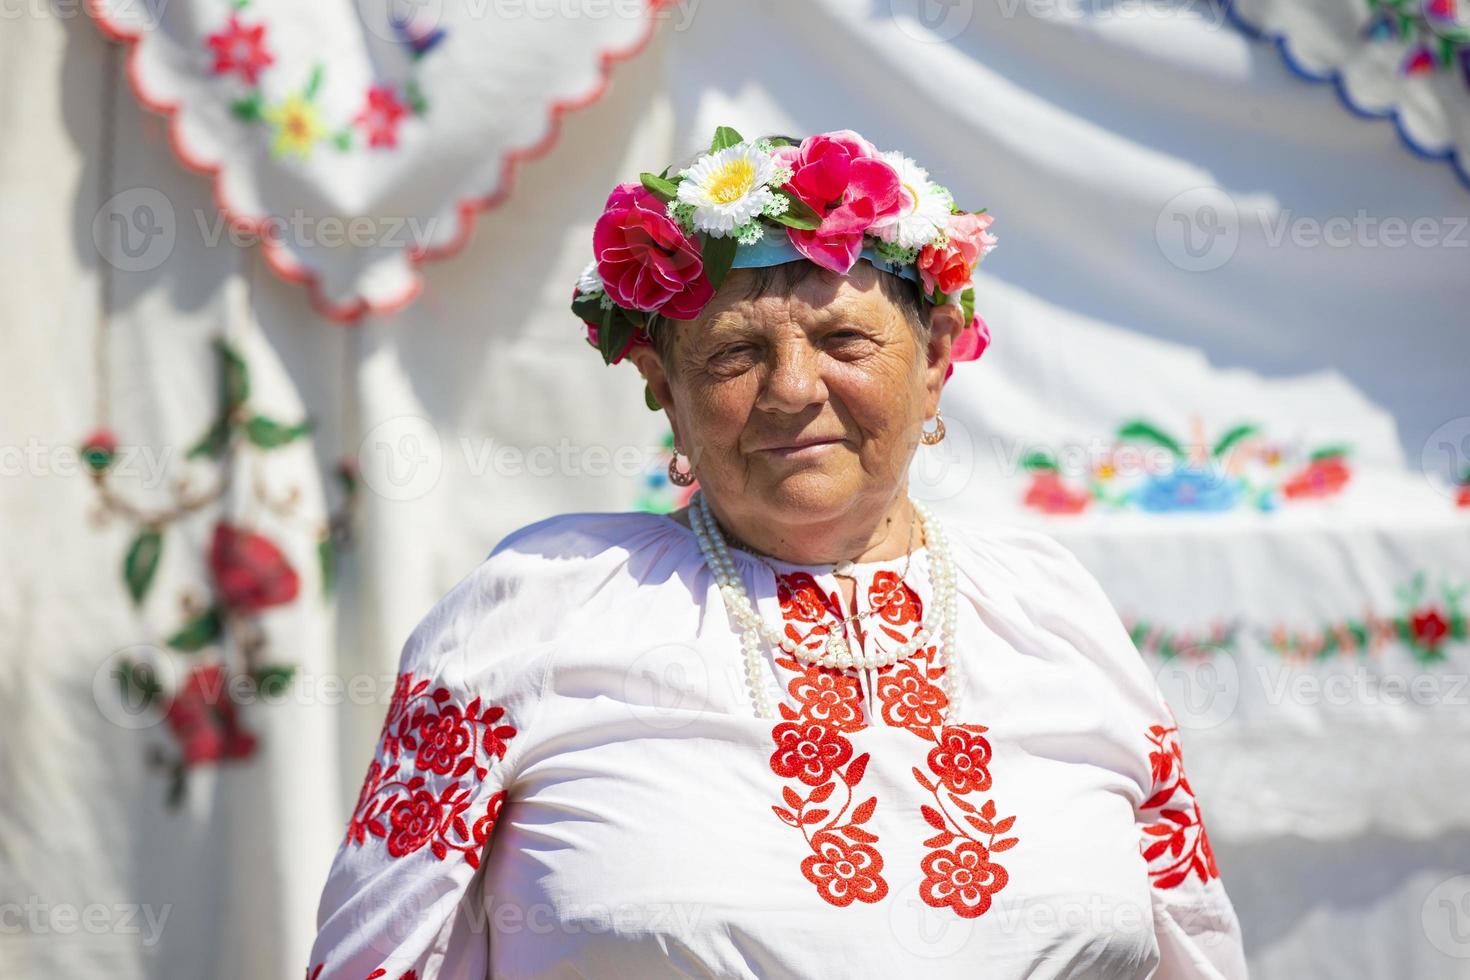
1077, 132
577, 701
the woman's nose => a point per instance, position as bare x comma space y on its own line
795, 379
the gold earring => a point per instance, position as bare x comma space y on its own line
678, 477
930, 438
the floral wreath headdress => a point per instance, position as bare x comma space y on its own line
664, 245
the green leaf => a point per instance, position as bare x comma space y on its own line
273, 679
315, 82
1232, 437
142, 561
967, 304
724, 137
1147, 432
326, 557
203, 630
1327, 452
719, 256
1039, 460
660, 187
588, 308
247, 109
235, 377
613, 333
269, 434
343, 140
798, 213
138, 681
213, 442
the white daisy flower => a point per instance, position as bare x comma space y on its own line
728, 188
925, 210
590, 281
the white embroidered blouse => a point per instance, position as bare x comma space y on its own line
571, 780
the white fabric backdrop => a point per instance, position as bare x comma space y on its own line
1076, 133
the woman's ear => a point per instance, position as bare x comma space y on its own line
946, 323
648, 363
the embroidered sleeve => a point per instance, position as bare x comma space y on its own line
402, 899
1195, 924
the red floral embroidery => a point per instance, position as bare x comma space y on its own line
961, 758
240, 49
1176, 844
400, 805
809, 751
381, 116
911, 699
812, 746
843, 870
962, 879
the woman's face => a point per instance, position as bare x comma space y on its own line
801, 407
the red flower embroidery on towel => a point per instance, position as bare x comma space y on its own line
1176, 844
432, 758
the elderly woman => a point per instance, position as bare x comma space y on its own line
799, 728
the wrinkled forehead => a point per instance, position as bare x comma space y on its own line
800, 292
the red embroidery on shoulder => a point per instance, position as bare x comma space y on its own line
811, 746
432, 757
1176, 844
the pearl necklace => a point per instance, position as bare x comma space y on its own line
838, 652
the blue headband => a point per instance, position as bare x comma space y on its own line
776, 249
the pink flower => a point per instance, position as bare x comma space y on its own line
840, 176
950, 266
645, 260
969, 345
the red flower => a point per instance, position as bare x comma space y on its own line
443, 739
948, 267
1049, 494
963, 879
1462, 499
900, 604
844, 871
910, 700
1321, 478
249, 571
808, 751
828, 697
961, 759
240, 49
414, 820
381, 115
203, 719
1429, 628
645, 260
840, 176
800, 597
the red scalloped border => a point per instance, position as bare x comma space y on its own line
469, 207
